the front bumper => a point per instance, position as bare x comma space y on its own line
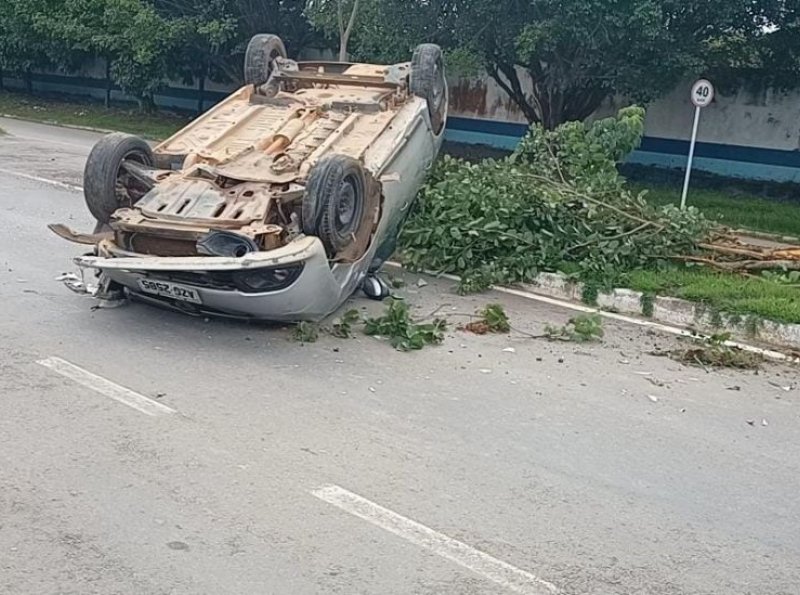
316, 292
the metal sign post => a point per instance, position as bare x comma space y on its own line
702, 96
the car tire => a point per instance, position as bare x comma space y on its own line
428, 82
334, 201
261, 51
103, 186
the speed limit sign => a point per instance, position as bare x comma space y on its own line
702, 93
702, 96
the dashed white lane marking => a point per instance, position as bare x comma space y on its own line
106, 387
497, 571
56, 183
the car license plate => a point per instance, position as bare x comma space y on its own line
170, 290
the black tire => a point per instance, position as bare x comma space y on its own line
261, 51
428, 82
105, 186
334, 201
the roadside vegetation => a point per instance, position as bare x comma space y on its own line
152, 126
578, 51
765, 297
733, 209
556, 204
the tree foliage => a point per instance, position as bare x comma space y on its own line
576, 53
24, 44
557, 204
144, 42
558, 60
336, 18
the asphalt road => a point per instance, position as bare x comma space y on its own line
346, 467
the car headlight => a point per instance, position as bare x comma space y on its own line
263, 280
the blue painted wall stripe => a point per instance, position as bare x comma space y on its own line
777, 164
650, 144
724, 152
512, 129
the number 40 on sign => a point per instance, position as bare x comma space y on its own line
702, 96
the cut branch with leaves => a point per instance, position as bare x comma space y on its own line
335, 17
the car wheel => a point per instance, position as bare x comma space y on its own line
106, 186
428, 82
333, 205
261, 52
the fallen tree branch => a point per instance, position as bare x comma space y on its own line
734, 251
619, 236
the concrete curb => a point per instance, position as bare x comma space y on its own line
673, 311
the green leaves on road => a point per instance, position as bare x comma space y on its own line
402, 332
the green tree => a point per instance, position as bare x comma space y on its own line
204, 39
773, 61
335, 18
577, 53
281, 17
136, 42
25, 43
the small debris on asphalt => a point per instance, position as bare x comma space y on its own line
653, 398
655, 382
764, 422
422, 282
372, 389
485, 371
160, 395
683, 409
787, 388
561, 360
477, 327
509, 350
643, 373
751, 422
735, 388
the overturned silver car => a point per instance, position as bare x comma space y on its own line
278, 203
